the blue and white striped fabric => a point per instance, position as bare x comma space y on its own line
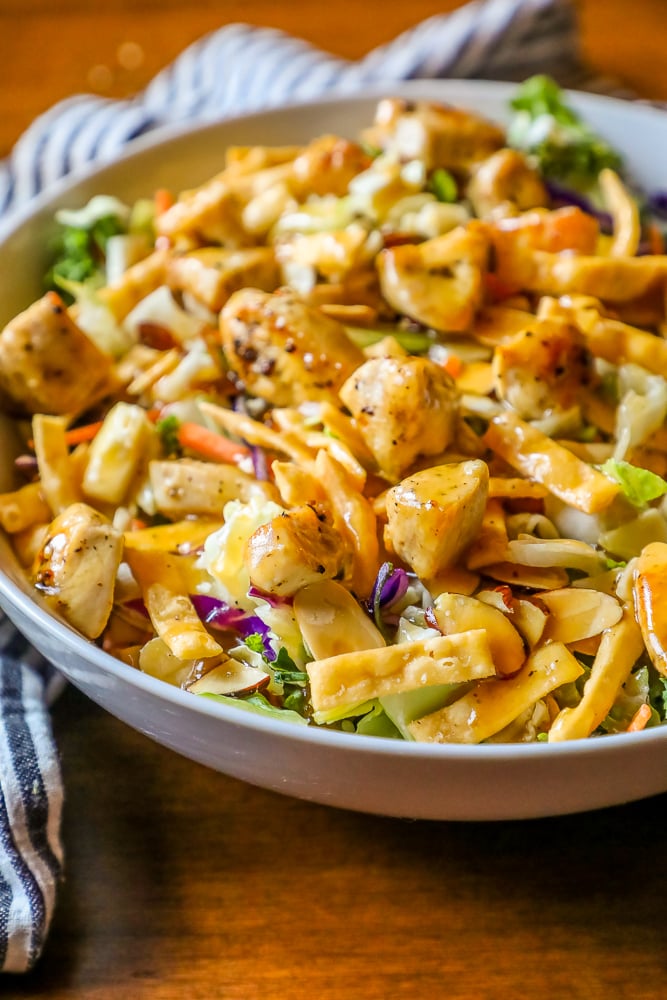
30, 801
233, 70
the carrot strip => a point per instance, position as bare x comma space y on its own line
655, 238
640, 718
78, 435
209, 444
453, 366
164, 199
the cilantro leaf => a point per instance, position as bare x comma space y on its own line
443, 186
255, 642
168, 428
285, 670
565, 147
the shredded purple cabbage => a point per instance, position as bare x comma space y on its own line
389, 587
220, 615
273, 599
259, 463
562, 196
657, 204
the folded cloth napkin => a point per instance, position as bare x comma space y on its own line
236, 69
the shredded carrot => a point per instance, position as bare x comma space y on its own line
137, 524
164, 199
453, 365
78, 435
640, 718
656, 240
210, 444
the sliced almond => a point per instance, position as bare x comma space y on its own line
332, 622
457, 613
231, 677
579, 614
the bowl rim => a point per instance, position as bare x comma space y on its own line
14, 597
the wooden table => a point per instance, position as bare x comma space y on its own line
182, 883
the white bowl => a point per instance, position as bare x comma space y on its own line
355, 772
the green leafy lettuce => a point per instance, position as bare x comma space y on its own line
565, 147
639, 485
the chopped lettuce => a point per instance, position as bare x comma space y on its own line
443, 185
257, 703
377, 723
639, 485
167, 429
565, 147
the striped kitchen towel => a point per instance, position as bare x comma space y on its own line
233, 70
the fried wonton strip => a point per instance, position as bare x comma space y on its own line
540, 458
497, 324
511, 488
620, 648
255, 432
172, 613
136, 283
177, 537
296, 485
490, 546
60, 487
624, 212
165, 363
354, 519
23, 508
494, 704
292, 422
620, 343
339, 684
611, 279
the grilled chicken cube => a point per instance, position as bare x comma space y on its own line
76, 567
404, 407
507, 182
293, 550
42, 356
285, 351
441, 136
212, 274
439, 282
434, 515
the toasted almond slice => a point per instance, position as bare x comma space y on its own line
529, 618
577, 614
230, 677
494, 704
535, 577
332, 622
457, 613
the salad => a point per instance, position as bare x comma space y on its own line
367, 434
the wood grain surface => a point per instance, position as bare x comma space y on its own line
49, 50
183, 884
